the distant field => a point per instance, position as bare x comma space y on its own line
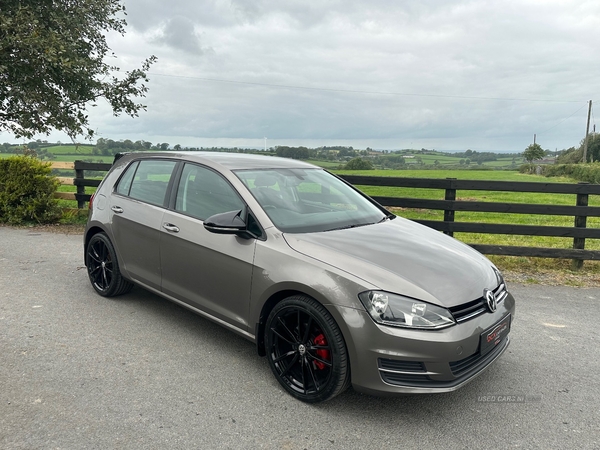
70, 149
324, 164
453, 160
438, 194
95, 158
71, 158
467, 174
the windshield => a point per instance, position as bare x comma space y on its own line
309, 200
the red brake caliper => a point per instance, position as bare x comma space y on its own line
321, 352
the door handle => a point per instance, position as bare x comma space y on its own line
117, 209
171, 227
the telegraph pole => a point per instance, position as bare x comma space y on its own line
587, 130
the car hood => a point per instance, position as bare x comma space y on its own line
403, 257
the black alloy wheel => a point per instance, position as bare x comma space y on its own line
103, 268
306, 350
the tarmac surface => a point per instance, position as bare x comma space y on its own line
78, 371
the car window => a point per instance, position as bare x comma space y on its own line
125, 181
149, 181
308, 200
202, 193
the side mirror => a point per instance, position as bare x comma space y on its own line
227, 223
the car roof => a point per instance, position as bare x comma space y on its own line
232, 161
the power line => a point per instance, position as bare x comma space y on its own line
356, 91
557, 124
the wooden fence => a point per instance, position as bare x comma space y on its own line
580, 211
79, 181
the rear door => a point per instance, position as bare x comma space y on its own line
211, 272
137, 208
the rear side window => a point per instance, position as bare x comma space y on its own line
147, 181
125, 181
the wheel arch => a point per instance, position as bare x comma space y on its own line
267, 307
275, 298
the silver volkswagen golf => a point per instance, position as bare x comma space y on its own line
332, 288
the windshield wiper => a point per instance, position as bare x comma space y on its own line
388, 216
354, 225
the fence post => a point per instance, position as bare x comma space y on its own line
580, 222
79, 174
449, 213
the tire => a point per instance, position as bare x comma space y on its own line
306, 350
103, 267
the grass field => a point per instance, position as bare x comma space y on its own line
95, 158
82, 149
467, 174
324, 164
446, 159
71, 157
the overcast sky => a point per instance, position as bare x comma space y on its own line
387, 74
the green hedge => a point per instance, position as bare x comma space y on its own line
581, 172
27, 191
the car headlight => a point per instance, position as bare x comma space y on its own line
397, 311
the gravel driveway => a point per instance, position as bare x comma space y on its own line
80, 371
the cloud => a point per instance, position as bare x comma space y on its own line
450, 73
179, 33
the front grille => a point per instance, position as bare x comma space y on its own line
464, 365
477, 307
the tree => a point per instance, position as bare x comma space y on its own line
292, 152
593, 151
358, 164
533, 152
52, 66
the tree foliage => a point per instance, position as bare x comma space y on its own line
52, 65
593, 148
570, 156
292, 152
575, 155
358, 164
533, 152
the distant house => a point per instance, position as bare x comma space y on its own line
546, 160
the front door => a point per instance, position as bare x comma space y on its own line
211, 272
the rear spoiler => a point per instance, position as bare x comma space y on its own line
118, 156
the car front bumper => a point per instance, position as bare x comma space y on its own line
387, 360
